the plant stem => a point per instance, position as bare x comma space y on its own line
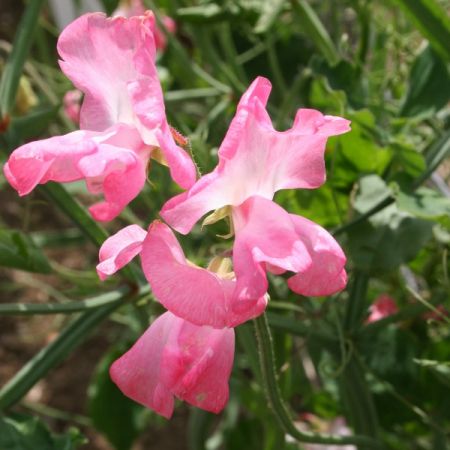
268, 371
25, 309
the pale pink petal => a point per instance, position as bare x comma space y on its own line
112, 60
118, 250
197, 363
257, 160
264, 234
118, 173
176, 358
326, 275
185, 209
137, 372
53, 159
102, 56
195, 294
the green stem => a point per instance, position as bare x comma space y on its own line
24, 309
275, 67
269, 376
356, 305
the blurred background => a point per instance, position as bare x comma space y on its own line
374, 360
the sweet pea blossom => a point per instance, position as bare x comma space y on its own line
122, 118
175, 358
255, 161
382, 307
201, 296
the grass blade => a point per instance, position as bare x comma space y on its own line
432, 21
16, 60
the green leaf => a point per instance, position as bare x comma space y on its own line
390, 237
14, 65
110, 5
202, 14
18, 251
359, 151
343, 76
312, 26
120, 419
270, 10
424, 203
35, 123
429, 85
432, 20
406, 159
320, 205
61, 308
29, 433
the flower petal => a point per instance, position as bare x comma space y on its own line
264, 234
326, 275
118, 172
257, 160
118, 250
137, 372
198, 295
197, 363
53, 159
102, 56
175, 357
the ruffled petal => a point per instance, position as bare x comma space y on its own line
326, 275
118, 250
53, 159
185, 209
257, 160
102, 56
116, 171
112, 162
198, 295
264, 234
112, 60
137, 372
176, 358
197, 363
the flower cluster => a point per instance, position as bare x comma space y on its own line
188, 352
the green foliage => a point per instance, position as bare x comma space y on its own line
29, 433
382, 67
18, 250
428, 87
384, 241
432, 20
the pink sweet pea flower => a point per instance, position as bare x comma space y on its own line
175, 358
130, 8
382, 307
201, 296
122, 118
72, 105
255, 161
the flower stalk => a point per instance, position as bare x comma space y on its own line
269, 377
